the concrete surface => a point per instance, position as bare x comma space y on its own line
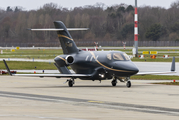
24, 98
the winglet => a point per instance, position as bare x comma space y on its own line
173, 64
8, 70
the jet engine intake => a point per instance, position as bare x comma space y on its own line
69, 60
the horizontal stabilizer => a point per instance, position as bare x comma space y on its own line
54, 29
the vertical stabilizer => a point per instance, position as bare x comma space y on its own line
66, 41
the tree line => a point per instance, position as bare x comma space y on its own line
114, 23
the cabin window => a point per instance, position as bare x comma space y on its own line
117, 56
126, 56
109, 56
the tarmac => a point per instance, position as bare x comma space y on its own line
31, 98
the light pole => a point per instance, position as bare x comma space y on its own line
136, 30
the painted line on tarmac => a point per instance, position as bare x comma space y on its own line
38, 117
95, 102
103, 104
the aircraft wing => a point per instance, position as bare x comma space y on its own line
54, 75
48, 75
160, 72
154, 73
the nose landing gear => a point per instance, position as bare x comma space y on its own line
126, 80
128, 84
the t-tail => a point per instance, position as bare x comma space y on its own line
66, 41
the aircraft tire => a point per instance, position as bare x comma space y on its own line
70, 83
114, 83
128, 84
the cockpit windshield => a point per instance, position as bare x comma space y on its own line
126, 56
109, 56
118, 56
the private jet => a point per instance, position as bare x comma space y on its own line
90, 65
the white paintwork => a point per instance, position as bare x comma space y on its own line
136, 31
136, 17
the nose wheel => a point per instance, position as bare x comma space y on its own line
128, 84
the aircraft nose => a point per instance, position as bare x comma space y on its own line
134, 69
128, 66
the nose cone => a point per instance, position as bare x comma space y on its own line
133, 68
128, 66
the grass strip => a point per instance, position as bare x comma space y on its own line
168, 83
52, 53
154, 77
19, 65
154, 60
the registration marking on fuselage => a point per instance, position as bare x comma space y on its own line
93, 55
87, 57
96, 58
91, 58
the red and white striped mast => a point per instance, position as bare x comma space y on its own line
136, 29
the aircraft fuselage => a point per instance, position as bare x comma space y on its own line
106, 63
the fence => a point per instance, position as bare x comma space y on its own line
100, 43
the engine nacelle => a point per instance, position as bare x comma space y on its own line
69, 59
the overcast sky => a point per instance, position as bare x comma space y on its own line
35, 4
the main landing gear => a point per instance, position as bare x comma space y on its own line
114, 82
71, 82
126, 80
